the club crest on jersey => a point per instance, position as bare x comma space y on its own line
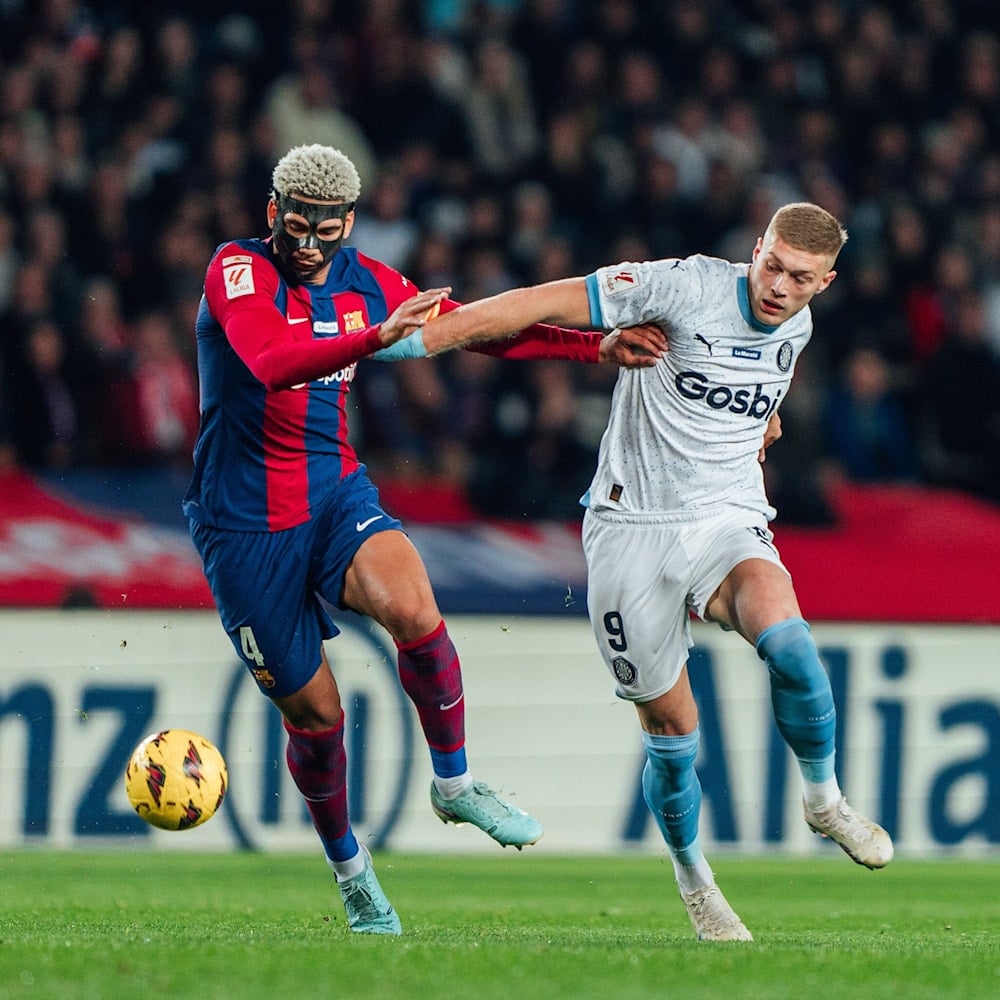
785, 356
354, 321
237, 274
621, 280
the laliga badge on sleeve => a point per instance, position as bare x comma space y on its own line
620, 279
237, 273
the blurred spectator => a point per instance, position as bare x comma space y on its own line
100, 356
532, 429
303, 108
962, 386
529, 229
10, 260
931, 303
500, 114
109, 233
47, 420
30, 300
386, 231
46, 242
166, 400
865, 423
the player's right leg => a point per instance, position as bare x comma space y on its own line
637, 603
317, 762
387, 581
672, 792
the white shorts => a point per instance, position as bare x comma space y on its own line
644, 579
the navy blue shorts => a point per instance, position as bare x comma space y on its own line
270, 587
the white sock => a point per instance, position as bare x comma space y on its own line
348, 869
451, 788
692, 877
820, 794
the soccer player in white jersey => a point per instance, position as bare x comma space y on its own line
677, 517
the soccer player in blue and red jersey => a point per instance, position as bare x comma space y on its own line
284, 515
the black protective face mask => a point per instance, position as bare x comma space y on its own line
285, 245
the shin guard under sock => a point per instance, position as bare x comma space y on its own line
431, 675
801, 696
317, 763
672, 792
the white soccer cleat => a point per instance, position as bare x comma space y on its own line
712, 917
861, 839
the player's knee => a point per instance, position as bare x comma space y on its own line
791, 655
412, 618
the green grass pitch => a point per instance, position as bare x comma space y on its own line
104, 926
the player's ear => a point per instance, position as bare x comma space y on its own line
348, 223
826, 282
272, 212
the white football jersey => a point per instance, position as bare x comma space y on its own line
684, 435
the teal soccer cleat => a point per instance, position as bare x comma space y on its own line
479, 805
368, 909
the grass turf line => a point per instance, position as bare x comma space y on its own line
109, 926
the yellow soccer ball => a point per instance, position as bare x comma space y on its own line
176, 779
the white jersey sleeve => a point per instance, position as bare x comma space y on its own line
684, 435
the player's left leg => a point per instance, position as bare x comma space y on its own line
804, 711
757, 598
388, 582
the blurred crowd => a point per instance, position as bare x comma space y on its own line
503, 143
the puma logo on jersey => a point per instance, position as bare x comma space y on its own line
708, 343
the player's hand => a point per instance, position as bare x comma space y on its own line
633, 347
771, 434
410, 316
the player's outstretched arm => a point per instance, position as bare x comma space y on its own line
563, 302
411, 315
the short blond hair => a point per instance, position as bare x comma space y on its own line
808, 227
319, 172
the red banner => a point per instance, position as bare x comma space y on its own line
896, 554
53, 554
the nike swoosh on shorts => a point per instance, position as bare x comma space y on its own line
361, 525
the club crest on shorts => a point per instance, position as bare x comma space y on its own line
624, 671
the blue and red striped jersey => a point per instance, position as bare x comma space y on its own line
267, 453
275, 364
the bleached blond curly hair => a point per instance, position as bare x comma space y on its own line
316, 171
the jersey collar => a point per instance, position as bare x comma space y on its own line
743, 300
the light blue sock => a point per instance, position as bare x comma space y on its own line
672, 791
801, 697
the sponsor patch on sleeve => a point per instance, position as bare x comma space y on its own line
237, 273
620, 279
